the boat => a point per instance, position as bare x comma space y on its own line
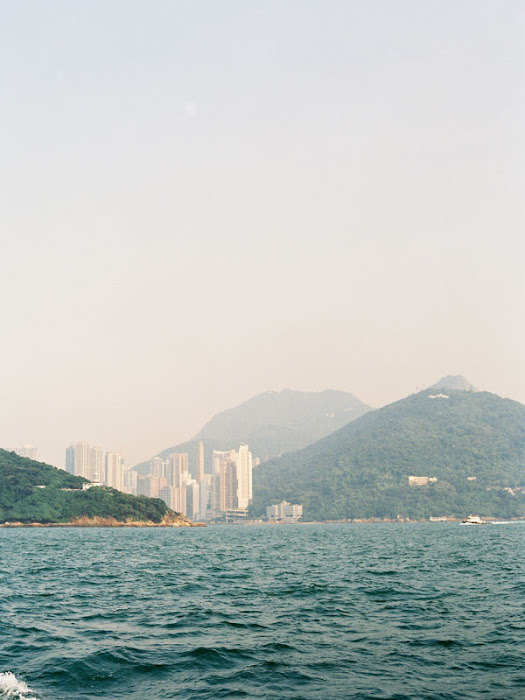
474, 520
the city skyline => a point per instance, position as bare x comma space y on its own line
29, 450
223, 492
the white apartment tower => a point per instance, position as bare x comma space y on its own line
97, 465
244, 476
192, 499
114, 471
77, 459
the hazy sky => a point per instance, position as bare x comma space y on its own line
201, 200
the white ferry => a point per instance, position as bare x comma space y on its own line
474, 520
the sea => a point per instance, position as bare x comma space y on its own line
406, 611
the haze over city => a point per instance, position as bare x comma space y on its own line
202, 201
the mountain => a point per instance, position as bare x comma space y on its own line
472, 443
33, 492
453, 383
274, 423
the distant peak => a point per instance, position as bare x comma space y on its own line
454, 383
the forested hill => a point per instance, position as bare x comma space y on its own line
273, 423
362, 470
33, 492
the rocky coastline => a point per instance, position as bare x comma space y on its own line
169, 520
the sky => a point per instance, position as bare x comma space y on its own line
201, 200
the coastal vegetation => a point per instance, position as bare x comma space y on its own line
34, 492
473, 444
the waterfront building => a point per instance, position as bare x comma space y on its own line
284, 512
213, 508
244, 477
192, 499
228, 490
204, 498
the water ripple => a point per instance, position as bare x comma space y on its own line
311, 613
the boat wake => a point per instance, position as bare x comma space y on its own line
11, 688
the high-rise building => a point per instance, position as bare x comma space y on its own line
220, 456
228, 487
143, 486
28, 451
204, 498
167, 494
214, 500
156, 467
114, 471
77, 459
130, 481
97, 464
177, 469
199, 462
151, 485
244, 476
179, 499
192, 499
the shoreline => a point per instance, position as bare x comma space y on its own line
362, 521
183, 522
107, 522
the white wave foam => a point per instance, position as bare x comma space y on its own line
13, 689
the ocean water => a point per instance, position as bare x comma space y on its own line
400, 611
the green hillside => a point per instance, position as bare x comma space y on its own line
23, 500
362, 470
273, 423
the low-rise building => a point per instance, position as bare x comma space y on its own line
284, 512
421, 480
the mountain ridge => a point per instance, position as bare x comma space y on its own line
273, 423
362, 469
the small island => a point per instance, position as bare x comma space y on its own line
34, 494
